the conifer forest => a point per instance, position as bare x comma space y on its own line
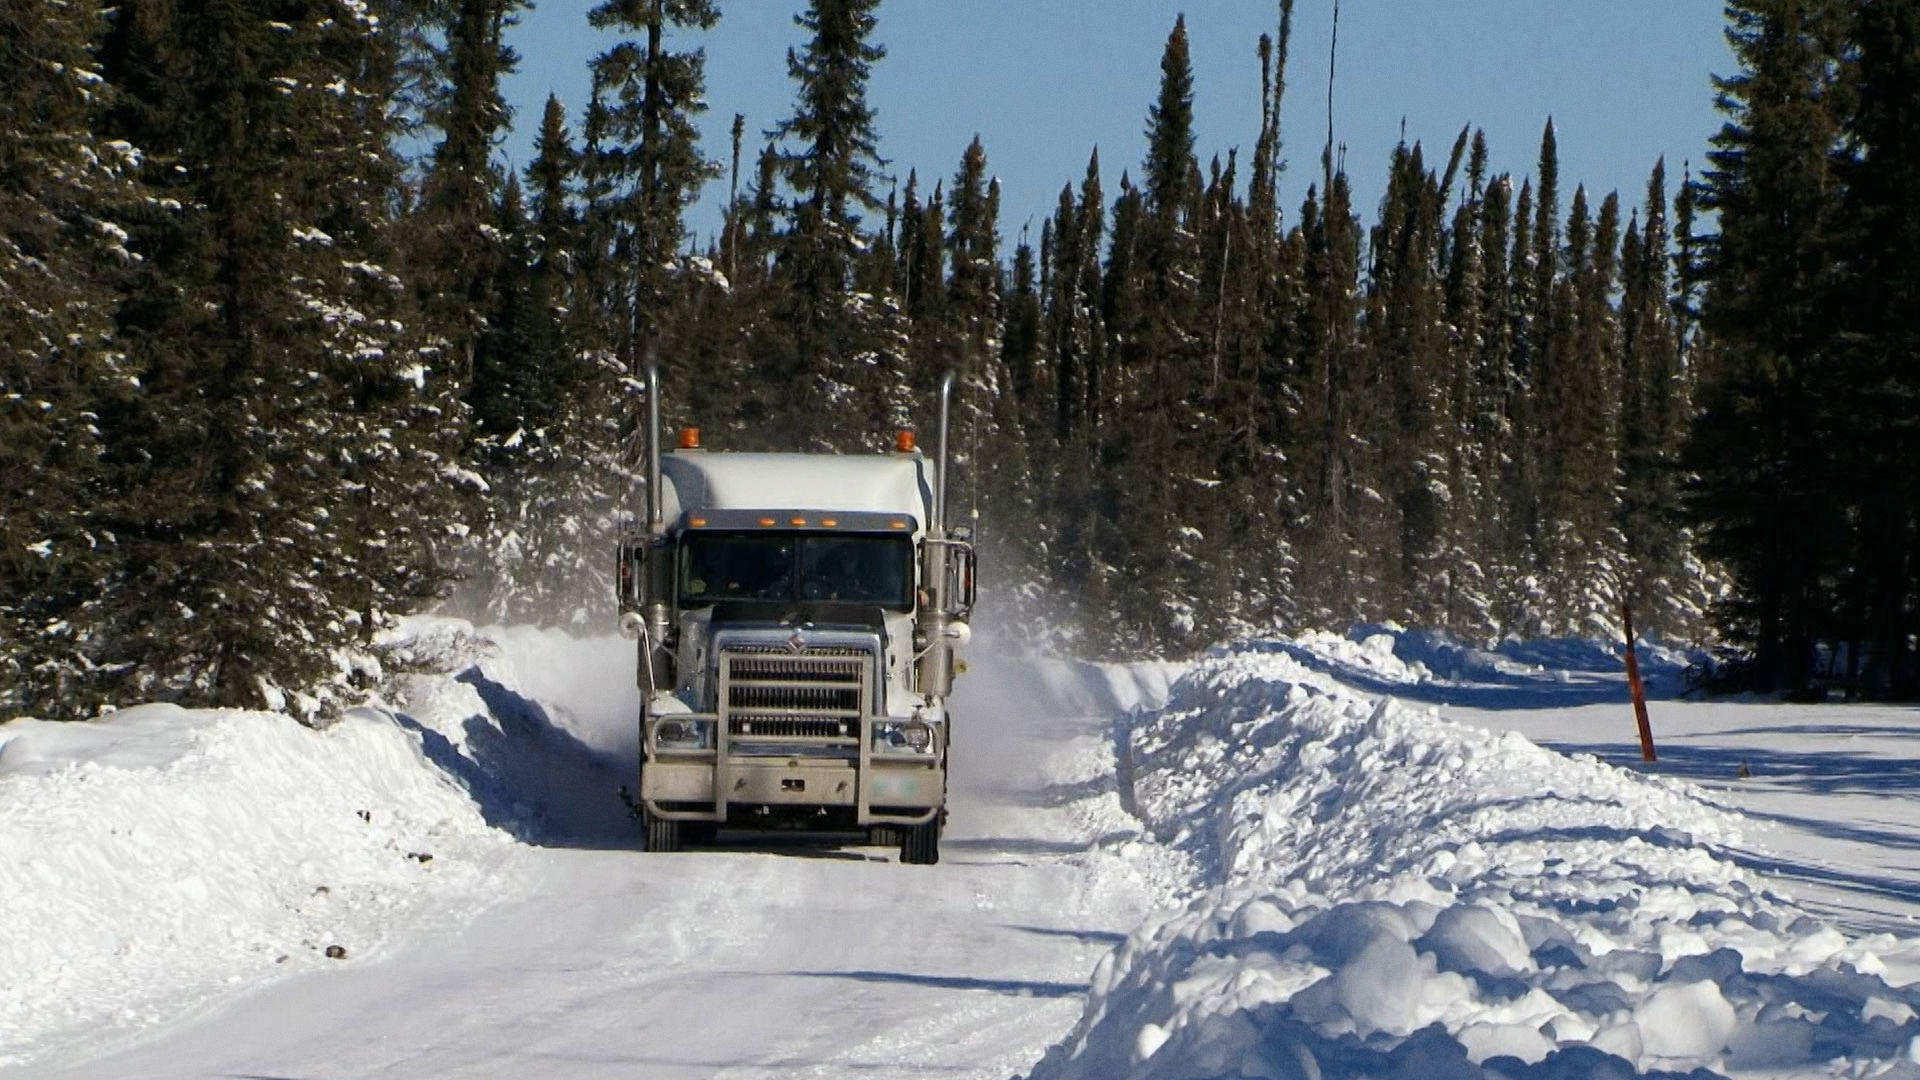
285, 350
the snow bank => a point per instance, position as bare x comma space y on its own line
154, 858
1392, 894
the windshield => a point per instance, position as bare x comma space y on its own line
783, 567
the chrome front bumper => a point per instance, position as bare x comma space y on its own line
703, 786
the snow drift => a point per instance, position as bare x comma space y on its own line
157, 857
1391, 894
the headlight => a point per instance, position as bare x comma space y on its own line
903, 737
672, 733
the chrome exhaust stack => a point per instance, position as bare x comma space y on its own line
937, 528
656, 644
933, 629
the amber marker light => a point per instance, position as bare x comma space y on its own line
768, 521
829, 522
903, 440
689, 438
898, 524
697, 522
797, 521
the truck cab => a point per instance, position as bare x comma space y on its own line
796, 618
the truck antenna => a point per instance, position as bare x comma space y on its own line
973, 470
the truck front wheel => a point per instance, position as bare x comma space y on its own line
663, 834
920, 844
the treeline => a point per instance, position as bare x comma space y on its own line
1807, 450
266, 381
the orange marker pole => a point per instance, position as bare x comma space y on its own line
1639, 691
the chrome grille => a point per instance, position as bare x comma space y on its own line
836, 664
816, 695
761, 695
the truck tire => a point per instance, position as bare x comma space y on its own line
920, 844
663, 834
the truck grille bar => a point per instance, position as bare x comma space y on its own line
808, 697
778, 727
814, 696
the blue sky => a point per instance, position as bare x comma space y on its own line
1045, 81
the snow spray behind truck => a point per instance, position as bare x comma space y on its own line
797, 616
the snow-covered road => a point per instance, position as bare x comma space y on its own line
802, 961
1253, 865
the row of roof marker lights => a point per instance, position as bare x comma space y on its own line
825, 522
902, 443
903, 440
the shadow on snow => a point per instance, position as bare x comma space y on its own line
1014, 987
529, 776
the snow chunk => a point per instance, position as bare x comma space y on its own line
1687, 1023
1477, 937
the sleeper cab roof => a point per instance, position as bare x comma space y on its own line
729, 490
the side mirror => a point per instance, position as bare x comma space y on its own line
960, 584
643, 586
630, 573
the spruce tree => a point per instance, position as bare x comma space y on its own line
64, 193
647, 153
973, 244
530, 566
1470, 442
1028, 374
1519, 608
1152, 275
1878, 226
830, 161
921, 278
1404, 316
1074, 304
1758, 447
1541, 329
1580, 392
1169, 132
1323, 392
456, 252
1666, 593
1263, 202
1494, 386
1075, 341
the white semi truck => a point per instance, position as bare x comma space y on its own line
797, 616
